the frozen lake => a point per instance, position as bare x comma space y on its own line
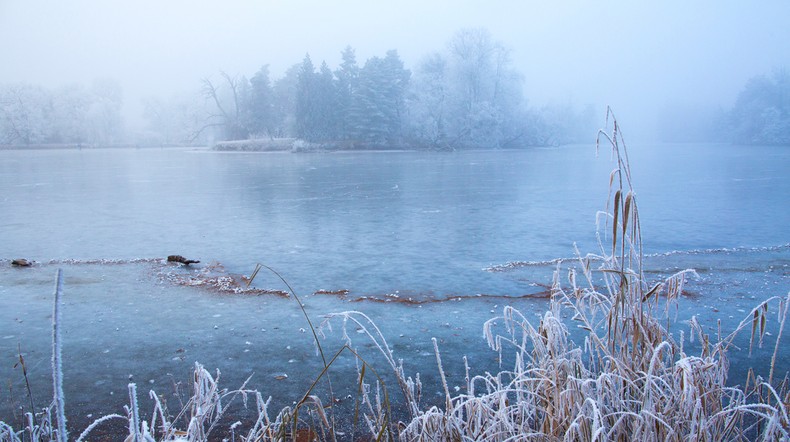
426, 226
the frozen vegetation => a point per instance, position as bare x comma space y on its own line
599, 364
258, 145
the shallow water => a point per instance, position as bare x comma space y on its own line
389, 226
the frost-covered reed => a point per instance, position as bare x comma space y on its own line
57, 361
624, 377
629, 378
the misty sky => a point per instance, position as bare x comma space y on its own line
636, 56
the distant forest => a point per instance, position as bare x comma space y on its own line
760, 116
465, 96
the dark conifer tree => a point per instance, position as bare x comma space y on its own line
260, 104
347, 78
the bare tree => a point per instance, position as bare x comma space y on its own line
226, 111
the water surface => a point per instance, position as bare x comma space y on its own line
387, 225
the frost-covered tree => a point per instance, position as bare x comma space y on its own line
378, 106
347, 84
428, 103
177, 120
25, 114
761, 114
485, 88
161, 127
260, 104
31, 114
327, 118
315, 103
105, 124
470, 94
70, 108
284, 93
305, 114
395, 85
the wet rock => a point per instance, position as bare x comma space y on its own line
21, 262
181, 259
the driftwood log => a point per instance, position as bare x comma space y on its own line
181, 259
21, 262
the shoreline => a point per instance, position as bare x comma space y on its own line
39, 147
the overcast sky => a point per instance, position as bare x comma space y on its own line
637, 56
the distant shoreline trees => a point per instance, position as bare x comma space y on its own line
761, 114
467, 95
31, 114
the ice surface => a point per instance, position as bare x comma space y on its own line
412, 260
127, 321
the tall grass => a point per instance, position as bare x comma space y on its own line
630, 378
624, 377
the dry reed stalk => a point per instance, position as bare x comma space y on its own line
631, 379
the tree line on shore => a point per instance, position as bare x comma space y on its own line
31, 114
467, 95
761, 114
